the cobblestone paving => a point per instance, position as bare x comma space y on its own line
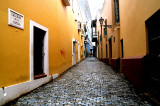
89, 83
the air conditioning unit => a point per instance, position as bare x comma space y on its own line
66, 2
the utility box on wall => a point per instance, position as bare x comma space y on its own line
66, 2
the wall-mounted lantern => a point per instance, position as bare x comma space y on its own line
74, 40
101, 21
105, 26
67, 2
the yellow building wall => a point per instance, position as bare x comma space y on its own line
104, 46
133, 14
15, 43
115, 34
116, 44
105, 13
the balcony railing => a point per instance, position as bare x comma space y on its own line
94, 36
105, 32
82, 32
94, 33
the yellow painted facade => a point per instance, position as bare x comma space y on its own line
131, 29
134, 38
133, 15
106, 11
15, 43
113, 33
116, 43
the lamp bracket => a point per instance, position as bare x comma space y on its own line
109, 26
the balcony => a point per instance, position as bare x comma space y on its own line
82, 32
94, 37
93, 23
85, 41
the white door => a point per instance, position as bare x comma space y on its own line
78, 52
74, 54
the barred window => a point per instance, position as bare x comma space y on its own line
116, 10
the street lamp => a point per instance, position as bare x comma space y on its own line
109, 26
101, 22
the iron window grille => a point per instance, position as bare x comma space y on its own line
105, 32
116, 10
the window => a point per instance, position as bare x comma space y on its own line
97, 42
79, 25
105, 31
101, 38
116, 10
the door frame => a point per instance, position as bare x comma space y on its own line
110, 48
122, 49
106, 51
74, 41
79, 57
46, 59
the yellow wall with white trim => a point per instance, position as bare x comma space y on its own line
15, 43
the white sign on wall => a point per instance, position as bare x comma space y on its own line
15, 19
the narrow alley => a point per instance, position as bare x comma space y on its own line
91, 82
80, 52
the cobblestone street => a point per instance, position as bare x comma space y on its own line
90, 82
